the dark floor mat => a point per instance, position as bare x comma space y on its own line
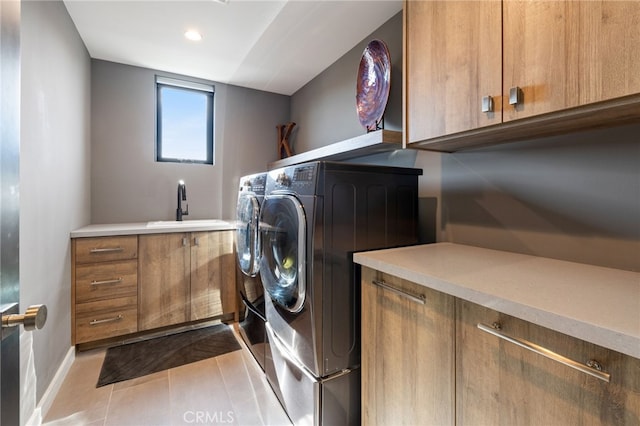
141, 358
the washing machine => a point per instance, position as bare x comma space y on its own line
314, 217
247, 240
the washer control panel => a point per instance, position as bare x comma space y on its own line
254, 183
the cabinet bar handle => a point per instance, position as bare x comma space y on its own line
592, 368
114, 281
102, 321
106, 250
418, 298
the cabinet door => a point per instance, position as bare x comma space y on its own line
407, 354
500, 383
213, 285
453, 58
564, 54
163, 280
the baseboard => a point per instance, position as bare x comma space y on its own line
49, 395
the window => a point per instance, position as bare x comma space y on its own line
184, 121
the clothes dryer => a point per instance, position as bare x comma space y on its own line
314, 217
248, 249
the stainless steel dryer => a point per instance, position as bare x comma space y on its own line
248, 248
314, 217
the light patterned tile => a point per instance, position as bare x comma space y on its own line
198, 395
251, 396
230, 389
79, 401
160, 375
146, 403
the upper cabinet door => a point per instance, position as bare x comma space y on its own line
564, 54
453, 58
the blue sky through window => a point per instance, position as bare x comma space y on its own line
184, 123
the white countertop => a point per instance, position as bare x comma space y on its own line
592, 303
157, 227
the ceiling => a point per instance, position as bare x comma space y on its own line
276, 46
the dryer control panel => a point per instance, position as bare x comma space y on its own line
299, 179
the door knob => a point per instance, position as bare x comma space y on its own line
33, 318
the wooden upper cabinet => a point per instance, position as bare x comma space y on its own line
453, 58
564, 54
576, 64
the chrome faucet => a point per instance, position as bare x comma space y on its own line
182, 196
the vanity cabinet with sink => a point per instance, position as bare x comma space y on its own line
181, 276
150, 277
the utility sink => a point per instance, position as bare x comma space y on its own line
213, 224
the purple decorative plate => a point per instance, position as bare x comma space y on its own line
372, 88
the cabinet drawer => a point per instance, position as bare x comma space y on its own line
501, 382
106, 280
106, 318
103, 249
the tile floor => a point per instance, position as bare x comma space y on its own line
229, 389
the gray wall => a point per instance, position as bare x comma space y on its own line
324, 110
575, 197
128, 185
54, 180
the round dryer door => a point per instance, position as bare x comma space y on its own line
247, 234
282, 269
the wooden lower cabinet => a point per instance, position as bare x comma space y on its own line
126, 284
432, 365
107, 318
185, 277
213, 266
501, 383
164, 270
104, 288
407, 353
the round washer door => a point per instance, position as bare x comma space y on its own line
282, 268
247, 234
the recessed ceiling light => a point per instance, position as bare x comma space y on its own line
193, 35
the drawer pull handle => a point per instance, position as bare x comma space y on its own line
105, 250
418, 298
114, 281
592, 368
102, 321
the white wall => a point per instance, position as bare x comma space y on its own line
128, 185
54, 177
